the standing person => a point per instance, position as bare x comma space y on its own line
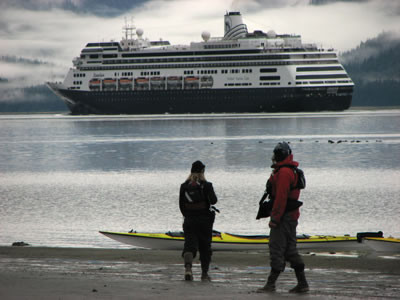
283, 223
196, 196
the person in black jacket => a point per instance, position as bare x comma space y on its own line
195, 199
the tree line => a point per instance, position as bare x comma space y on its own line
374, 67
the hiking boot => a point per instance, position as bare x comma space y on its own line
205, 277
188, 274
270, 287
302, 285
267, 288
300, 288
188, 259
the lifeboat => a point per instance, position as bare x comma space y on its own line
157, 80
142, 80
174, 82
125, 84
94, 84
141, 83
125, 81
191, 79
157, 83
191, 82
109, 81
109, 84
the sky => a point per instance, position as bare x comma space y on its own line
55, 31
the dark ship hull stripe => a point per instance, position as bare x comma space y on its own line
251, 100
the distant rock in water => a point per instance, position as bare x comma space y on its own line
20, 244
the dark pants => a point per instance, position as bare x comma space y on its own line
282, 245
198, 236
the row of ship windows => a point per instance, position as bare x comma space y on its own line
173, 66
321, 82
322, 76
186, 60
221, 53
313, 69
238, 84
225, 71
199, 58
77, 82
191, 72
272, 83
233, 71
221, 46
150, 73
102, 44
207, 72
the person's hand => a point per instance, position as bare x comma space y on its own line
272, 224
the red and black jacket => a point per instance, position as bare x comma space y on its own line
283, 179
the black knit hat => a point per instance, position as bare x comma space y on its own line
281, 151
197, 167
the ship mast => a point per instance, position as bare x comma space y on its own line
129, 30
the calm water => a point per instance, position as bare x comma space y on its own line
64, 178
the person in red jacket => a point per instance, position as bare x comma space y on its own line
283, 223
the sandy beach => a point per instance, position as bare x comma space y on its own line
82, 273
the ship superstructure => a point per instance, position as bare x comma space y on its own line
240, 72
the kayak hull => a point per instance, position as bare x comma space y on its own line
231, 242
383, 244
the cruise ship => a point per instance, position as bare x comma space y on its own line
241, 72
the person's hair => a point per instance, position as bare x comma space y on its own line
194, 177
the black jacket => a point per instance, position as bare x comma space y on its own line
201, 208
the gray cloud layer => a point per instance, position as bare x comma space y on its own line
95, 7
56, 30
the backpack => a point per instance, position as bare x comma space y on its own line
301, 179
194, 193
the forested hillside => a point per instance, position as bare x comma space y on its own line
374, 67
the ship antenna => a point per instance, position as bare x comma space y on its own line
128, 29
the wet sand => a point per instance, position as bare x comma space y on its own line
75, 273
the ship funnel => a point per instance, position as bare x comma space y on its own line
234, 27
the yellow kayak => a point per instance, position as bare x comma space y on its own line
228, 241
382, 244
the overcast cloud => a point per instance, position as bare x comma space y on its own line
46, 30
